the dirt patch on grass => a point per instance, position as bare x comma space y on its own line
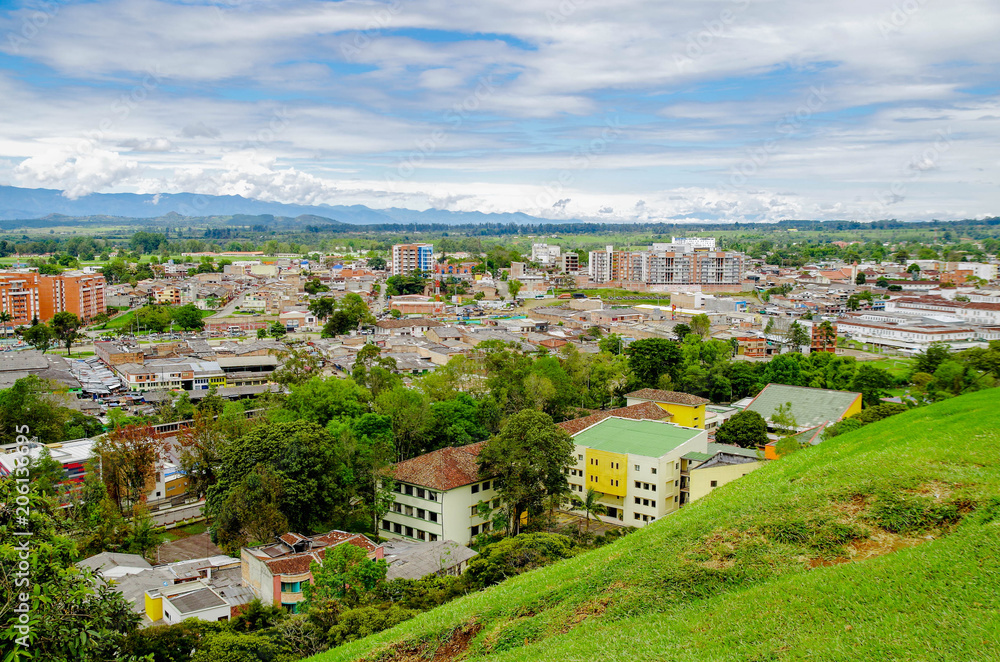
718, 549
452, 648
880, 543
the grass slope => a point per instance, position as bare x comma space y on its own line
881, 544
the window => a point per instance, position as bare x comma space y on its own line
637, 515
434, 516
475, 488
432, 496
637, 467
398, 507
654, 471
638, 500
675, 499
677, 483
677, 465
653, 487
409, 532
409, 511
485, 527
475, 530
645, 502
386, 525
638, 484
486, 486
714, 483
645, 518
421, 535
652, 502
420, 492
409, 490
579, 456
397, 528
421, 513
432, 537
473, 509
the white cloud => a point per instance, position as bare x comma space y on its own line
76, 173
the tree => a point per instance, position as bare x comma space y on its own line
5, 319
872, 383
322, 307
251, 512
313, 286
769, 326
681, 331
200, 447
154, 318
590, 505
652, 357
188, 317
529, 456
882, 283
860, 278
514, 287
277, 330
797, 336
128, 459
261, 334
313, 467
411, 418
30, 402
612, 344
376, 263
701, 325
747, 429
39, 336
929, 359
783, 420
346, 574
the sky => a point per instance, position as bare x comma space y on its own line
611, 110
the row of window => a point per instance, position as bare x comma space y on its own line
485, 486
613, 483
645, 486
294, 587
419, 492
645, 502
408, 531
484, 527
419, 513
475, 508
645, 518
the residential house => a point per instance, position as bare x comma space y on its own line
810, 407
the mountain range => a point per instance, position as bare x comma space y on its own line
33, 203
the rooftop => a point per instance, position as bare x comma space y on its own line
647, 438
443, 469
810, 406
644, 411
671, 397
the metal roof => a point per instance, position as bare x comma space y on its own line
810, 406
204, 598
647, 438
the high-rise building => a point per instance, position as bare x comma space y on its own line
545, 254
29, 295
667, 264
408, 258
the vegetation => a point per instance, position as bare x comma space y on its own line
905, 536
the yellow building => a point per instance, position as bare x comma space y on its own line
687, 410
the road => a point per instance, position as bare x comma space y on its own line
230, 307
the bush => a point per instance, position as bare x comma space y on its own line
359, 623
512, 556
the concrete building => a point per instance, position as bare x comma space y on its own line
178, 602
277, 572
437, 497
666, 265
686, 410
28, 295
545, 254
810, 407
638, 467
408, 258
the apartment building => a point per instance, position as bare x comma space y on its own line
545, 254
438, 496
646, 469
408, 258
686, 409
29, 295
667, 264
823, 338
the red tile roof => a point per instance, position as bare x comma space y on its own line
644, 411
672, 397
443, 469
298, 563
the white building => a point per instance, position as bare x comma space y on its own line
906, 333
545, 254
438, 496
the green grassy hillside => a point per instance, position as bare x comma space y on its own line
882, 544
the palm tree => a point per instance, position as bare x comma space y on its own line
5, 319
590, 505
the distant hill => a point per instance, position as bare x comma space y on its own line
877, 545
23, 203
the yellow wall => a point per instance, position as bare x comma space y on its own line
685, 415
855, 408
217, 381
701, 479
154, 608
611, 471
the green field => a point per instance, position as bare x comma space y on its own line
877, 545
123, 321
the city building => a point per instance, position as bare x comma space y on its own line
409, 258
544, 254
438, 496
568, 263
277, 572
667, 264
645, 469
178, 602
810, 407
686, 410
29, 295
823, 338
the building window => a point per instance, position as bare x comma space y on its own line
409, 511
409, 532
579, 456
386, 525
677, 483
637, 515
654, 470
677, 465
420, 492
638, 484
434, 516
397, 528
409, 490
652, 503
637, 467
675, 499
432, 495
421, 535
714, 483
638, 500
475, 488
432, 537
486, 486
421, 514
475, 530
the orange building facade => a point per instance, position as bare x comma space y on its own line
29, 295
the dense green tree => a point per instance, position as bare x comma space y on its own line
512, 556
747, 429
277, 330
30, 404
323, 307
872, 383
701, 325
529, 457
797, 336
39, 336
346, 574
456, 422
376, 263
652, 357
611, 343
321, 400
155, 318
66, 327
251, 512
411, 418
188, 317
590, 504
233, 647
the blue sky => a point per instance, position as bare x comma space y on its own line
750, 110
